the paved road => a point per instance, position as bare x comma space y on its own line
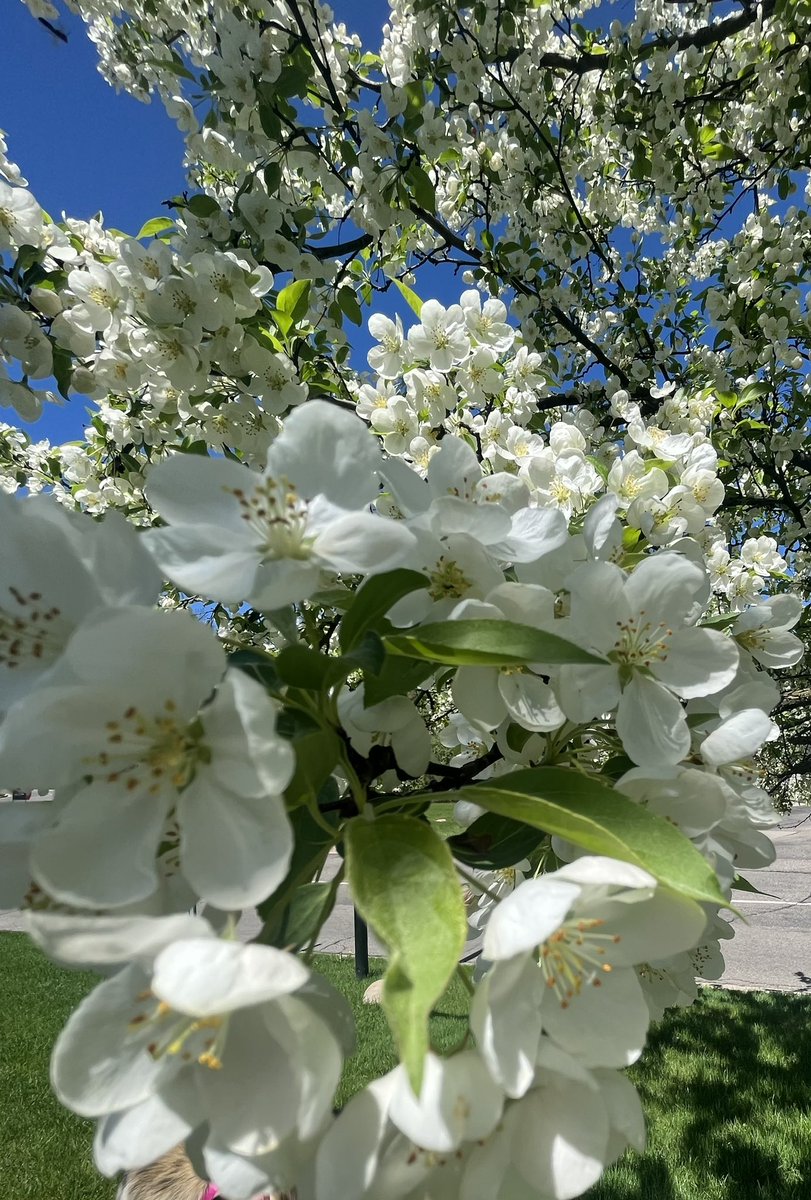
772, 944
771, 949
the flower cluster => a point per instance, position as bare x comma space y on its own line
628, 656
540, 561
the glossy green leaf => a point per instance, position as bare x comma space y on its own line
202, 206
294, 299
410, 296
493, 842
307, 911
311, 846
601, 820
154, 227
421, 187
317, 753
397, 677
259, 666
405, 887
349, 305
486, 643
373, 600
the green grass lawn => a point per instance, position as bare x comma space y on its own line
726, 1086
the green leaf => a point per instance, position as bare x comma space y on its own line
744, 885
202, 206
62, 369
494, 842
367, 655
405, 887
273, 177
317, 754
349, 305
154, 227
269, 119
284, 322
294, 299
374, 599
486, 643
312, 843
601, 820
413, 116
260, 667
421, 187
410, 296
302, 667
719, 621
397, 677
309, 908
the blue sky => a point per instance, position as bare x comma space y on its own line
84, 147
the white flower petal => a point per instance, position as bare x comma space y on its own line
189, 490
101, 852
206, 977
560, 1138
97, 1066
651, 724
664, 587
604, 1025
477, 695
139, 1135
251, 1100
234, 849
458, 1102
739, 737
324, 450
365, 543
530, 702
107, 941
506, 1023
535, 533
585, 692
525, 918
348, 1155
624, 1112
699, 662
206, 560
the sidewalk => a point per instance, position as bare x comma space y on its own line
771, 950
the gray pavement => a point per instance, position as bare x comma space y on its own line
771, 950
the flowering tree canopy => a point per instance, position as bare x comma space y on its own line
541, 560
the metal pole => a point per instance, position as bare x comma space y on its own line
361, 947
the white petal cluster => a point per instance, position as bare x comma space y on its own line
613, 473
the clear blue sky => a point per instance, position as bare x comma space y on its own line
84, 147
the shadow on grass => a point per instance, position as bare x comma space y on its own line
726, 1087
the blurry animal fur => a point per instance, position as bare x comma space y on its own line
171, 1177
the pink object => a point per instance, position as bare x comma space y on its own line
211, 1193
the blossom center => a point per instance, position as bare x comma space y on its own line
752, 639
148, 751
274, 511
640, 643
447, 580
192, 1039
100, 295
573, 955
28, 630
